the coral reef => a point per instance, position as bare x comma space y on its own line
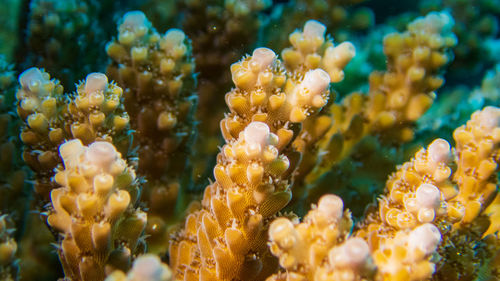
124, 175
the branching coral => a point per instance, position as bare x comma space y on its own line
286, 141
230, 29
94, 112
421, 207
156, 73
94, 210
397, 97
226, 239
319, 248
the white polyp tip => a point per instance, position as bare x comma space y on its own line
331, 205
147, 267
70, 148
29, 76
353, 253
134, 19
95, 82
347, 50
316, 81
102, 153
314, 28
428, 195
256, 133
489, 117
439, 151
356, 250
264, 57
280, 228
425, 238
176, 36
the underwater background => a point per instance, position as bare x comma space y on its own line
249, 140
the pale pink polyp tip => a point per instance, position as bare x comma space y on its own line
331, 205
314, 28
439, 151
428, 195
95, 82
265, 57
489, 117
316, 81
425, 238
256, 133
29, 76
102, 153
134, 19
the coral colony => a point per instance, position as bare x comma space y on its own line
302, 140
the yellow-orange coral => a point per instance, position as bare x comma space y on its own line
226, 239
94, 210
94, 112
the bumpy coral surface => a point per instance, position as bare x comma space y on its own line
352, 101
156, 73
94, 210
94, 112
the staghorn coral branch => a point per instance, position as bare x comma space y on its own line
396, 99
94, 112
225, 240
416, 219
94, 211
156, 73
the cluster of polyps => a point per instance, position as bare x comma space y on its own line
418, 191
309, 94
255, 156
265, 92
260, 70
310, 50
89, 180
407, 255
318, 248
37, 96
93, 207
477, 146
134, 28
97, 109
